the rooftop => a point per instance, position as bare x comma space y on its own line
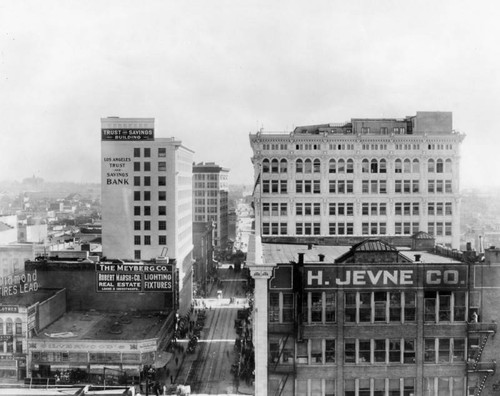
28, 299
97, 325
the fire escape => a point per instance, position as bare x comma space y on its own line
478, 335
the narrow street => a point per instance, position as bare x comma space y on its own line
208, 370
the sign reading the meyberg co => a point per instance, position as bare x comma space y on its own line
359, 277
130, 134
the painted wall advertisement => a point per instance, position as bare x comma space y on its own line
18, 284
134, 277
117, 170
373, 276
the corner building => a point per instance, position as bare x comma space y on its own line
366, 177
146, 191
375, 320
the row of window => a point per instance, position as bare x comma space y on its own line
146, 225
209, 184
146, 240
367, 186
146, 195
162, 166
367, 228
206, 176
146, 210
367, 387
370, 351
10, 326
347, 209
162, 152
347, 166
11, 346
370, 307
146, 181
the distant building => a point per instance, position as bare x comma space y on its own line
147, 197
374, 319
210, 190
203, 253
384, 177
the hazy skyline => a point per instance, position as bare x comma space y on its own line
210, 72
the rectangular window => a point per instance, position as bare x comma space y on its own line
137, 152
162, 152
330, 306
147, 195
137, 254
350, 307
137, 180
395, 306
162, 195
274, 307
162, 225
365, 309
147, 152
350, 351
162, 210
430, 350
394, 351
162, 181
329, 351
409, 352
147, 239
147, 181
380, 299
364, 352
316, 351
162, 239
410, 307
137, 210
137, 239
137, 195
137, 225
147, 225
316, 306
379, 351
365, 188
288, 307
147, 166
162, 166
147, 211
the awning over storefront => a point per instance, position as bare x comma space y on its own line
162, 359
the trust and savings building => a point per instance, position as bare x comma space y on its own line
374, 319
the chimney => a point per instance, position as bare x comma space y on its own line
321, 257
301, 258
417, 258
309, 246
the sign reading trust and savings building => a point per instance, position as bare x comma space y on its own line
359, 277
127, 134
134, 277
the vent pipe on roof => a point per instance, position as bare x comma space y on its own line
417, 258
309, 246
321, 257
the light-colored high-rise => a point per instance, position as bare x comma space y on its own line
146, 196
368, 177
211, 187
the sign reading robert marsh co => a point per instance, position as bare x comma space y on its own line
134, 277
356, 277
131, 134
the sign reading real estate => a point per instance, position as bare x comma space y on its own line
134, 277
131, 134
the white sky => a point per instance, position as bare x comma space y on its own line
211, 71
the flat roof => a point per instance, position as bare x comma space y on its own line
285, 253
28, 299
97, 325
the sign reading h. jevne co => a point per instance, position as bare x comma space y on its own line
385, 276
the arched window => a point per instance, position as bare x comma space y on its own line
382, 166
265, 165
365, 166
317, 166
299, 166
332, 166
374, 166
274, 165
398, 166
307, 166
349, 166
283, 166
9, 326
447, 166
406, 166
19, 326
431, 166
341, 166
416, 166
439, 166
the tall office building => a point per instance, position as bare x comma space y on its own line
211, 187
146, 197
366, 177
